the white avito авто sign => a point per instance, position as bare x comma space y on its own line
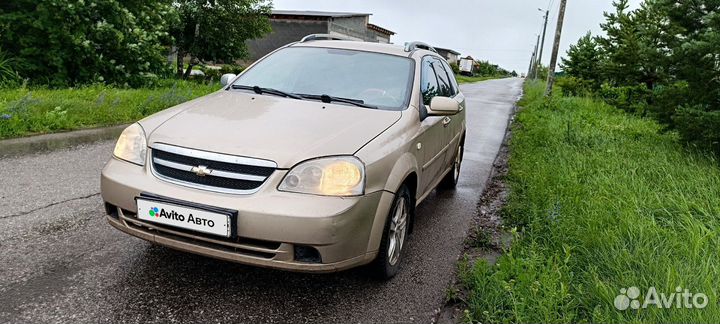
680, 298
183, 217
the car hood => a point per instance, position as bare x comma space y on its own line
283, 130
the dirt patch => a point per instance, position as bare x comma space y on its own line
487, 238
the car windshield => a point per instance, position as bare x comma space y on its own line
380, 80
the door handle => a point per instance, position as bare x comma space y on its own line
446, 121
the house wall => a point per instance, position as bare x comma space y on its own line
375, 36
381, 38
284, 31
450, 57
350, 27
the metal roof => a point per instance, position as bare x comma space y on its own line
380, 29
318, 13
447, 50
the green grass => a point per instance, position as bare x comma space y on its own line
600, 201
34, 111
470, 79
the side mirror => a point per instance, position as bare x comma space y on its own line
443, 106
226, 78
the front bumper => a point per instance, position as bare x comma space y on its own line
345, 231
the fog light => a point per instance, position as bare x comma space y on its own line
307, 254
111, 210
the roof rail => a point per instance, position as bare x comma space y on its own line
409, 47
313, 37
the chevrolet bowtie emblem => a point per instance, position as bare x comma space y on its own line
201, 170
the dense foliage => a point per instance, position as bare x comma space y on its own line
74, 42
216, 30
662, 60
69, 42
8, 75
485, 68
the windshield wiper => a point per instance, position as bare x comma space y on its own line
328, 99
261, 90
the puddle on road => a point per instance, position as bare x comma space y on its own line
52, 142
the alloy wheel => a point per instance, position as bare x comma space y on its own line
398, 230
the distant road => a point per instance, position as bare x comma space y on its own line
61, 262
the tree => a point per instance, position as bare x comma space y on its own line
620, 45
695, 60
663, 56
583, 60
216, 30
68, 42
695, 42
633, 46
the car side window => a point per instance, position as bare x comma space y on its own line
453, 80
428, 81
446, 89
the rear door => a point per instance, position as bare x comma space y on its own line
453, 124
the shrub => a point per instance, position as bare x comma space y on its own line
572, 86
455, 67
700, 126
211, 74
231, 68
8, 76
68, 42
632, 99
666, 100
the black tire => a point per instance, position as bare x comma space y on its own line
451, 178
387, 265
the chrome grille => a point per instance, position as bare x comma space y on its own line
210, 171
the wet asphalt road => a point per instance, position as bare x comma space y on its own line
61, 262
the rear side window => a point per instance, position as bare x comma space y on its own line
453, 81
428, 80
446, 88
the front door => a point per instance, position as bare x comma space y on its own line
433, 150
433, 141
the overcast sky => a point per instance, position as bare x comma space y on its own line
502, 31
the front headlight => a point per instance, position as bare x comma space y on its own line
132, 145
331, 176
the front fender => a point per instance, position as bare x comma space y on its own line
404, 167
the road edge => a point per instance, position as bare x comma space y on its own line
56, 141
451, 310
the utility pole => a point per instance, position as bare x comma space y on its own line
535, 59
530, 66
542, 43
556, 49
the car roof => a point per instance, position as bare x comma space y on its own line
360, 46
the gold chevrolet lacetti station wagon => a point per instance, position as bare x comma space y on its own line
313, 159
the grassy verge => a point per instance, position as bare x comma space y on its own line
601, 201
470, 79
34, 111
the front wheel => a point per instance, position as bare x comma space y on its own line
387, 263
451, 179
